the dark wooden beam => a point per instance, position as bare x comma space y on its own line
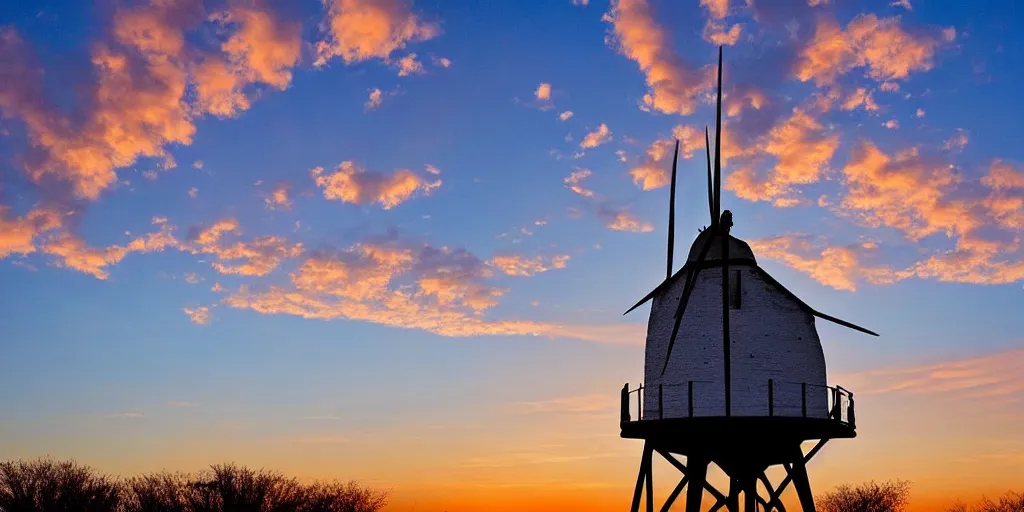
698, 473
732, 504
650, 482
645, 462
750, 494
801, 482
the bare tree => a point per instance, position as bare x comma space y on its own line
162, 492
233, 488
1010, 502
45, 485
343, 497
891, 496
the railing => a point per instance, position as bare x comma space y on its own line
840, 404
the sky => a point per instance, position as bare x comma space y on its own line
392, 241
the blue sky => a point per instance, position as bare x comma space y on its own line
104, 362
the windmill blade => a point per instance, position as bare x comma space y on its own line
672, 213
718, 141
711, 194
691, 281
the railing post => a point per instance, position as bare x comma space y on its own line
624, 409
661, 410
803, 398
836, 405
771, 397
849, 414
640, 402
689, 398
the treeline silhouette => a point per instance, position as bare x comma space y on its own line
46, 485
893, 496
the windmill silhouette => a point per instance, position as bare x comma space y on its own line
746, 386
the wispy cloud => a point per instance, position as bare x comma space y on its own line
326, 440
989, 377
126, 415
592, 403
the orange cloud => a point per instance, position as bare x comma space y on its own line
654, 171
543, 91
443, 62
672, 85
72, 252
574, 182
861, 97
522, 266
360, 30
264, 49
137, 104
408, 65
957, 142
889, 87
906, 192
886, 50
18, 235
257, 257
801, 150
716, 34
597, 137
717, 9
623, 220
375, 99
748, 97
199, 315
278, 198
440, 290
975, 261
1003, 176
564, 116
836, 267
351, 184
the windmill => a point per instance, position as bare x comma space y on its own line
734, 370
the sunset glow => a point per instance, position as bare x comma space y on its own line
392, 240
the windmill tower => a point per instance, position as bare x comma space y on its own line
734, 371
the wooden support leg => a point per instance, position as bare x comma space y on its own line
733, 503
750, 494
801, 482
645, 462
650, 482
698, 473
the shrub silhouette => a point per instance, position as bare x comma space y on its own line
45, 485
891, 496
1010, 502
347, 497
